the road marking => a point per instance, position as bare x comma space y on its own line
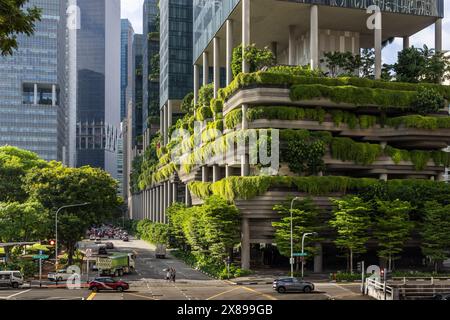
260, 293
91, 296
138, 295
14, 295
222, 293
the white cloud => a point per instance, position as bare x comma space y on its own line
133, 11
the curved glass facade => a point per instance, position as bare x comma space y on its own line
210, 15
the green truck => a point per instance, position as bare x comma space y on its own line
116, 264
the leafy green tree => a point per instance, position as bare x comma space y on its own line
352, 223
257, 58
15, 20
28, 221
187, 105
437, 69
436, 232
392, 228
57, 186
306, 219
368, 63
221, 226
14, 165
176, 216
334, 62
410, 65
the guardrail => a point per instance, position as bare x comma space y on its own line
431, 280
378, 290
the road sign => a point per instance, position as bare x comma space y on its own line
41, 256
300, 254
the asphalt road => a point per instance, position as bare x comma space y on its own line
148, 283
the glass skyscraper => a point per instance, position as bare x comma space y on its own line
31, 114
126, 66
150, 71
138, 87
97, 97
176, 50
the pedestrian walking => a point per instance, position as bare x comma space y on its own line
168, 274
174, 274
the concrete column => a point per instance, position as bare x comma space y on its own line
216, 173
188, 199
161, 122
168, 199
166, 129
216, 44
229, 51
205, 68
438, 35
227, 171
196, 83
245, 244
274, 48
157, 204
378, 49
205, 174
245, 163
441, 177
405, 42
53, 95
245, 32
151, 204
169, 118
35, 100
161, 203
318, 259
314, 37
174, 192
292, 46
384, 177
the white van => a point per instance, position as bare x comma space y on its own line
12, 279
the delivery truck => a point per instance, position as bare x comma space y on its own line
116, 265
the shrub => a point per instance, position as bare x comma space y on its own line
204, 113
205, 95
187, 105
257, 58
427, 101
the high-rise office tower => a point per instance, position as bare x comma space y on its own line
32, 115
126, 66
138, 89
175, 59
150, 74
94, 83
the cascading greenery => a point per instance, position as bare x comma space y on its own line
246, 188
287, 79
346, 149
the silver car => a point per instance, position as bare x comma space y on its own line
292, 285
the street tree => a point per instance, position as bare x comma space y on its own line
305, 219
15, 163
392, 228
22, 222
15, 20
57, 186
352, 222
436, 232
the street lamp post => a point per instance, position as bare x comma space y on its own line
56, 228
292, 237
303, 247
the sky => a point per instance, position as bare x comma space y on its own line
132, 10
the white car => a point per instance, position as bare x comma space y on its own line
13, 279
60, 275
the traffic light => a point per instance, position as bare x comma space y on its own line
52, 242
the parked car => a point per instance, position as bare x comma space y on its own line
444, 296
292, 285
11, 279
125, 239
60, 275
102, 250
92, 237
108, 284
